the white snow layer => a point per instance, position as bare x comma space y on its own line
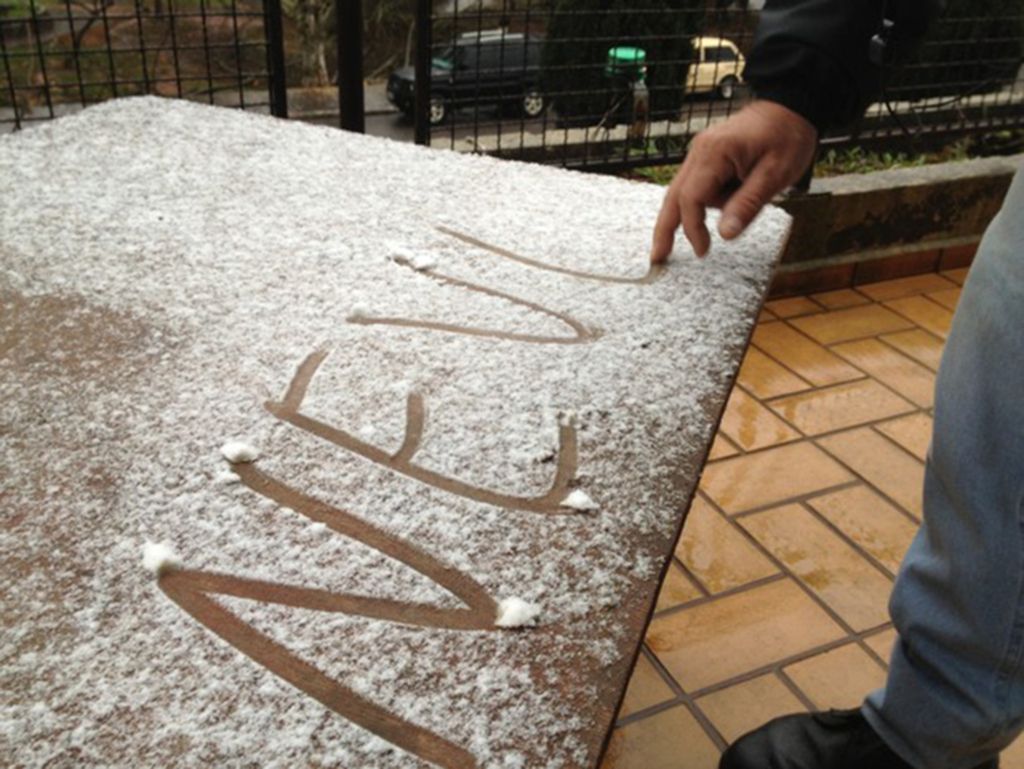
167, 268
159, 558
515, 612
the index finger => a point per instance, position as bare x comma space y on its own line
667, 224
704, 186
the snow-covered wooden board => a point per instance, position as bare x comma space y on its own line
474, 407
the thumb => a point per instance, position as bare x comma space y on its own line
743, 205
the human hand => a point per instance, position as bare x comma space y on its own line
738, 166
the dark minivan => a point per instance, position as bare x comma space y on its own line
492, 68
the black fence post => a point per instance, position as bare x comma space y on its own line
274, 33
424, 35
10, 79
350, 65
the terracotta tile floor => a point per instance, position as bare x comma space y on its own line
776, 598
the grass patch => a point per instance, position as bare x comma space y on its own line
856, 160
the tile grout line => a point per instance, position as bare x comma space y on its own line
917, 324
915, 519
793, 500
812, 438
793, 371
784, 569
913, 408
800, 434
697, 583
848, 541
797, 692
848, 629
786, 662
900, 446
870, 301
680, 698
888, 386
894, 348
829, 345
712, 597
881, 339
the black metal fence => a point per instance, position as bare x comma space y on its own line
606, 85
56, 57
596, 84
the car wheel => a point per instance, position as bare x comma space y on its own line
727, 88
534, 103
438, 111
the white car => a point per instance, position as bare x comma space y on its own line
718, 66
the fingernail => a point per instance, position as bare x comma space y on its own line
730, 226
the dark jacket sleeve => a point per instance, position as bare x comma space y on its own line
812, 56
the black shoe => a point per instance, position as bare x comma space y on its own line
839, 739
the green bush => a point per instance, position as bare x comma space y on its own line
975, 46
579, 34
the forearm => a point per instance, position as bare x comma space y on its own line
812, 56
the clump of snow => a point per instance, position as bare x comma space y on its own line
226, 478
159, 558
359, 311
578, 500
238, 452
318, 528
423, 262
515, 612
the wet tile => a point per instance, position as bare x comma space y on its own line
958, 275
646, 689
676, 589
840, 678
722, 448
913, 432
746, 706
850, 585
925, 313
803, 356
793, 306
845, 405
671, 739
882, 643
915, 284
853, 323
751, 426
772, 476
868, 520
840, 299
909, 378
923, 347
713, 642
947, 299
886, 467
717, 553
765, 378
1013, 756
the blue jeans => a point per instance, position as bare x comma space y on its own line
955, 692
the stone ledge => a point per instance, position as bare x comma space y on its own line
864, 228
